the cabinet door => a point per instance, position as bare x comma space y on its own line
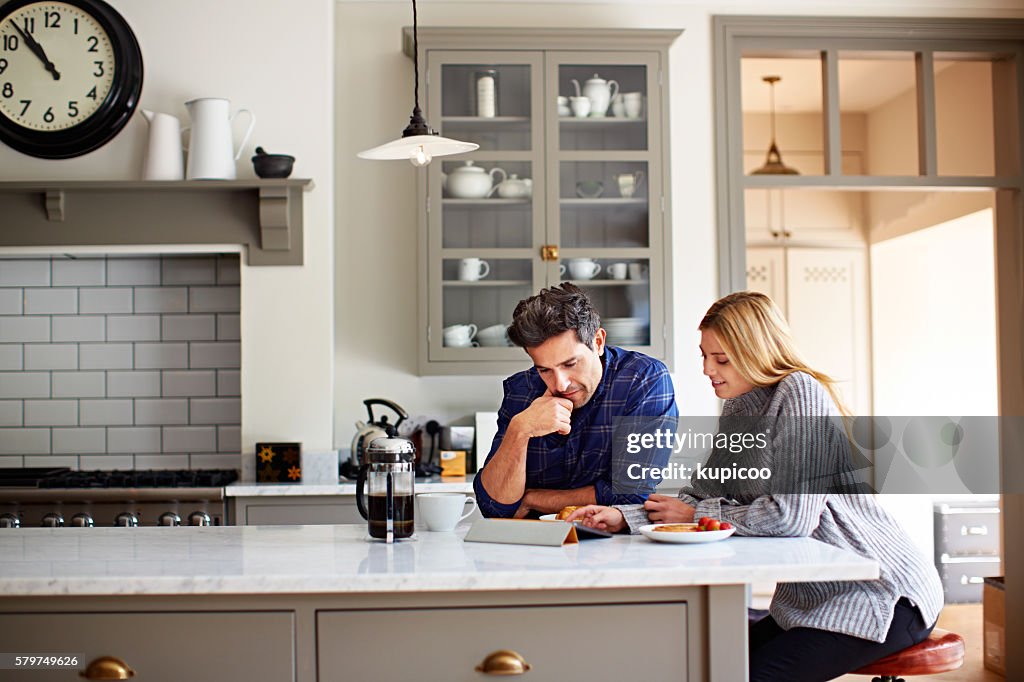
766, 272
605, 209
160, 647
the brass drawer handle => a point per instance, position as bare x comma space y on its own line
107, 668
549, 252
503, 662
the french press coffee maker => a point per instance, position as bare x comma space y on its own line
388, 475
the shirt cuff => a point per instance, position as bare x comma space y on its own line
710, 507
635, 516
488, 506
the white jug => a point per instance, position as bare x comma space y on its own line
164, 159
211, 154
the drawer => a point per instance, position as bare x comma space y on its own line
160, 647
966, 530
964, 577
556, 641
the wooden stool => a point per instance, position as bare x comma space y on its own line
941, 652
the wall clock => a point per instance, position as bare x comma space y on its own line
70, 76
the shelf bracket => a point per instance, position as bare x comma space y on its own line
55, 205
275, 228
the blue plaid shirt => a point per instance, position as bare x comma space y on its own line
631, 384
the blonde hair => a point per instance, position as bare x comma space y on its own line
757, 339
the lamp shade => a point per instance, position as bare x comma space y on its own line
408, 148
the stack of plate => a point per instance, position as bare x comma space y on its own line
626, 331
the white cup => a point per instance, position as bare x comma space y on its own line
581, 268
637, 271
580, 106
460, 335
495, 335
629, 183
633, 104
473, 269
443, 511
617, 271
618, 107
563, 107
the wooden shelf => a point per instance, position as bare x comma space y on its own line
607, 282
600, 120
265, 215
478, 121
488, 283
486, 202
600, 202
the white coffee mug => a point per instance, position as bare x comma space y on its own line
583, 268
633, 104
443, 511
495, 335
473, 269
459, 335
617, 271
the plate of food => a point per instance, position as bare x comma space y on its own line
688, 533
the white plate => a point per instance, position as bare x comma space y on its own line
549, 517
685, 537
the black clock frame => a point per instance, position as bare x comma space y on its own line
115, 110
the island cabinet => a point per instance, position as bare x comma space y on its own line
570, 183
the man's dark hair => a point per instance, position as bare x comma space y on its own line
554, 311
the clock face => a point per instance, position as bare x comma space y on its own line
70, 76
56, 66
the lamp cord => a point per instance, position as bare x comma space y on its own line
415, 58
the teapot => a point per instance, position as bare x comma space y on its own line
472, 182
512, 187
600, 93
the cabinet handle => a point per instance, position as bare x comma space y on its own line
503, 662
107, 668
549, 252
971, 580
973, 530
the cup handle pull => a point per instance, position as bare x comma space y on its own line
472, 508
485, 269
248, 131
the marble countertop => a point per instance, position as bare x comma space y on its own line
433, 485
341, 559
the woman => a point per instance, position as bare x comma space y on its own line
820, 630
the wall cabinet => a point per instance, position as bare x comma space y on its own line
554, 193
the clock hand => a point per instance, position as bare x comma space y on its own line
38, 51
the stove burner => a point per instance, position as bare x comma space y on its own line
201, 478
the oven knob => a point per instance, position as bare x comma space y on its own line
199, 518
9, 521
82, 520
126, 519
53, 520
170, 519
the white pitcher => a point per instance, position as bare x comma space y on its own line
211, 154
164, 159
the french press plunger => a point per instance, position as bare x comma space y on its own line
388, 475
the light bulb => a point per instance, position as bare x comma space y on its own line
420, 157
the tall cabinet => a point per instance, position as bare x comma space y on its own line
555, 192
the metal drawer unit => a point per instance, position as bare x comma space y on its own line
966, 548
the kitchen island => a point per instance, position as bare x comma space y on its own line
324, 603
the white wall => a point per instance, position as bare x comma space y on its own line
275, 58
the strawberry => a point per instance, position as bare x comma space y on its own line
725, 525
713, 525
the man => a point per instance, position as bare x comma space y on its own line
553, 447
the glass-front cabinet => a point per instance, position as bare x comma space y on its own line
569, 183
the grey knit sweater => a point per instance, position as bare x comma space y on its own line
854, 522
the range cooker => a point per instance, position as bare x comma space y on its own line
61, 497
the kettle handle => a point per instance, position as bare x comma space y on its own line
360, 499
370, 402
248, 131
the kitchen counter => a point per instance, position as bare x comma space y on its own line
433, 484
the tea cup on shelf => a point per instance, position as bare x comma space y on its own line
633, 104
618, 106
495, 335
473, 269
617, 271
460, 336
563, 107
581, 268
580, 106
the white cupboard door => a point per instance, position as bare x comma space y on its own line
766, 273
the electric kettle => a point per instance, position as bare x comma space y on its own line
373, 428
389, 478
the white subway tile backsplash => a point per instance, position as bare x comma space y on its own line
133, 328
133, 384
160, 411
105, 356
229, 270
190, 439
16, 441
80, 440
11, 461
161, 461
25, 273
51, 413
229, 439
219, 354
189, 383
12, 356
215, 411
161, 300
214, 299
78, 385
52, 461
109, 300
134, 439
161, 355
51, 301
25, 385
133, 271
106, 413
24, 329
11, 301
11, 413
105, 462
186, 270
79, 328
213, 461
51, 356
229, 327
79, 273
189, 328
229, 382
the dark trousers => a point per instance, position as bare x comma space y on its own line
809, 655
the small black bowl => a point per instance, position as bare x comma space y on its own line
273, 165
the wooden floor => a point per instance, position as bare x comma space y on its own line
965, 620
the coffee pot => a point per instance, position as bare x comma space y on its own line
389, 478
211, 153
600, 92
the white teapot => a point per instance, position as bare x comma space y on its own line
600, 93
512, 187
472, 182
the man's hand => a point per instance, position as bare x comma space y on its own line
596, 516
668, 509
547, 414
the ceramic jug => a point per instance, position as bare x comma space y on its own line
164, 159
600, 93
211, 154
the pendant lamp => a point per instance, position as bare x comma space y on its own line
419, 142
773, 161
